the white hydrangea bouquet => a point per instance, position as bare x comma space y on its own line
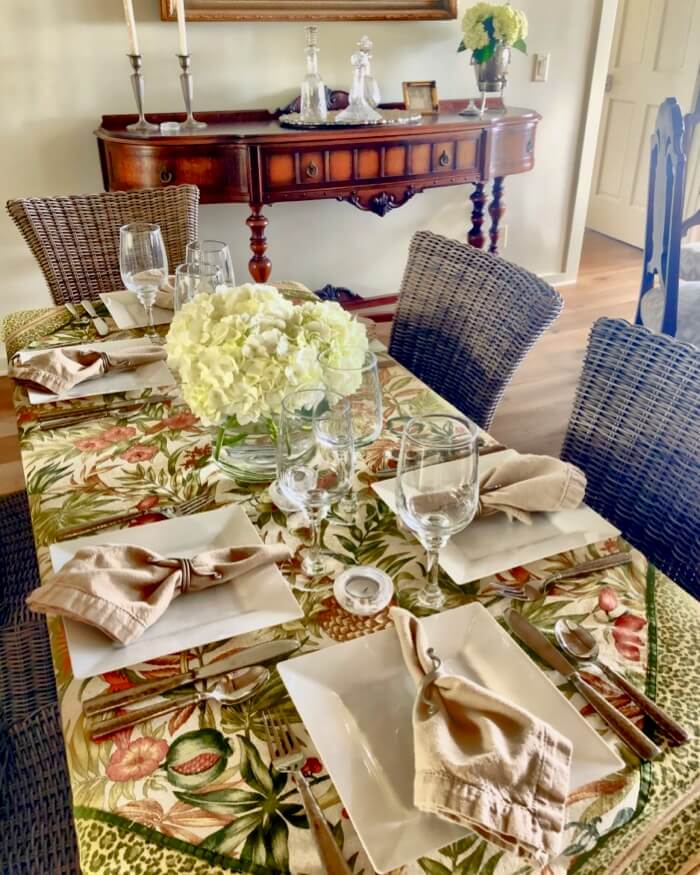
238, 352
487, 25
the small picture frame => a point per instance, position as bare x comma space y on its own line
421, 97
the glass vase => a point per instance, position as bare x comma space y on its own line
247, 453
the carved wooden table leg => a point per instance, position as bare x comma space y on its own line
475, 236
259, 265
496, 211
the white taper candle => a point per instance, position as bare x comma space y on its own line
181, 29
131, 27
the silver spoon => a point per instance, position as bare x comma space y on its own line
581, 645
230, 689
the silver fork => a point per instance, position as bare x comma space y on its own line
287, 755
192, 505
529, 593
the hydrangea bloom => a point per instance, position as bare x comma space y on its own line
485, 22
240, 351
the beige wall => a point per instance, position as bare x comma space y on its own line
63, 64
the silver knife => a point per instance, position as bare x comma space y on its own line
73, 310
101, 326
634, 738
255, 655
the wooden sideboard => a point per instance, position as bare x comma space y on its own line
247, 157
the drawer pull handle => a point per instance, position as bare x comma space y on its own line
166, 176
311, 169
444, 159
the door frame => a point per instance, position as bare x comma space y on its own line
593, 111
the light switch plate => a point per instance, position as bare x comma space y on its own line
540, 67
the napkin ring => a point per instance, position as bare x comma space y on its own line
428, 681
186, 569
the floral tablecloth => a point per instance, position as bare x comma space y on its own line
194, 792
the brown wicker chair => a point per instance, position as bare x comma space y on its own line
465, 321
76, 239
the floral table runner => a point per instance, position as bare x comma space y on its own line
194, 792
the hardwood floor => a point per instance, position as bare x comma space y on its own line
533, 414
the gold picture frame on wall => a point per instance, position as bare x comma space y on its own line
311, 10
421, 97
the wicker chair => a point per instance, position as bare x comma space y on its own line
19, 572
635, 431
36, 809
465, 321
76, 239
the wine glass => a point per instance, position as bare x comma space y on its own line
359, 383
143, 264
195, 279
315, 461
437, 488
212, 252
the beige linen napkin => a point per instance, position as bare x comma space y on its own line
123, 589
60, 370
527, 484
481, 761
165, 296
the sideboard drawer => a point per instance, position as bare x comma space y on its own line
216, 170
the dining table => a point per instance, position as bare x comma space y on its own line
133, 811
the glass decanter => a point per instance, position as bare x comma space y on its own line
358, 110
313, 109
372, 94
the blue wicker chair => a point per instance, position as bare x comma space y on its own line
466, 319
635, 431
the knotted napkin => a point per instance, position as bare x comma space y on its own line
524, 484
481, 761
60, 370
123, 589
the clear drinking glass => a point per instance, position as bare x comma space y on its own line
315, 461
212, 252
195, 279
437, 488
360, 385
143, 263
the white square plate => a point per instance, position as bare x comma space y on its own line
255, 601
126, 310
356, 701
147, 376
494, 543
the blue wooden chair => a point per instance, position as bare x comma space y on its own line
667, 303
635, 431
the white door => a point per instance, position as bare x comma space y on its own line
655, 55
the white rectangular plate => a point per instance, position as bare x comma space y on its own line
255, 601
148, 376
126, 310
495, 544
360, 722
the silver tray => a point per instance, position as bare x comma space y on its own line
389, 117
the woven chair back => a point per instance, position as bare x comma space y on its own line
465, 321
635, 431
76, 239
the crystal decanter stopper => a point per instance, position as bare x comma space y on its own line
372, 94
358, 110
313, 108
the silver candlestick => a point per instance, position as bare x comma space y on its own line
141, 126
190, 123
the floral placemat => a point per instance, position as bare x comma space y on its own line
194, 791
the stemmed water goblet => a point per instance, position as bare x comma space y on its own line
437, 487
143, 264
359, 383
315, 462
212, 252
195, 279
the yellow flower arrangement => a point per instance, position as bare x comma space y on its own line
486, 25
